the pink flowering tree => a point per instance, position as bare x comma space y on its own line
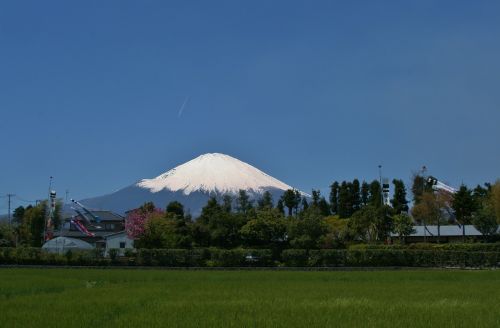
135, 222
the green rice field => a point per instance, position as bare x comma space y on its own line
163, 298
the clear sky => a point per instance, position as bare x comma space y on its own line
100, 94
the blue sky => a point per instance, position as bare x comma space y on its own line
308, 91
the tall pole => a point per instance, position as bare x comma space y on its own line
49, 212
380, 181
9, 196
424, 168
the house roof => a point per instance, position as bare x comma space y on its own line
444, 231
115, 234
102, 215
78, 234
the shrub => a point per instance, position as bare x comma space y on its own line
423, 256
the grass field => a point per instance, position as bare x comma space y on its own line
135, 298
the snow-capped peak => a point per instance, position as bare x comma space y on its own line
213, 173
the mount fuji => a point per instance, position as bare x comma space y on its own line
192, 184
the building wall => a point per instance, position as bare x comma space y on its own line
120, 242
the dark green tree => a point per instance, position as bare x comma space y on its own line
365, 193
344, 201
290, 200
32, 226
218, 227
18, 215
463, 204
243, 202
148, 207
399, 201
419, 185
305, 204
324, 207
334, 193
355, 195
484, 220
266, 201
175, 208
307, 232
267, 229
316, 195
375, 194
280, 207
227, 203
298, 200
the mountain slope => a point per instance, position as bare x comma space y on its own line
213, 173
192, 183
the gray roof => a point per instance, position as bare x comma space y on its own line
114, 234
445, 231
102, 215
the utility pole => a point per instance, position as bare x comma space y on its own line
9, 196
380, 181
424, 168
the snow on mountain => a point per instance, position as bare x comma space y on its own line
192, 183
215, 172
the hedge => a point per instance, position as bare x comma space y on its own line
213, 257
470, 247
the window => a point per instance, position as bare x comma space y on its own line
122, 244
109, 226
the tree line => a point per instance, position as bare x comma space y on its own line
353, 211
28, 225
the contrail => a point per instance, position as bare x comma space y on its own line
183, 106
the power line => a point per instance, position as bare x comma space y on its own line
25, 200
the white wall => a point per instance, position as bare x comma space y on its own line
114, 242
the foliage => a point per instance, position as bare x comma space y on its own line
31, 226
463, 204
244, 204
307, 231
495, 199
266, 202
334, 191
370, 224
175, 208
484, 220
158, 233
291, 199
375, 198
267, 229
135, 222
7, 235
402, 225
337, 232
399, 201
429, 209
217, 227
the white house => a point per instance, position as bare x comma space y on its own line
118, 240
